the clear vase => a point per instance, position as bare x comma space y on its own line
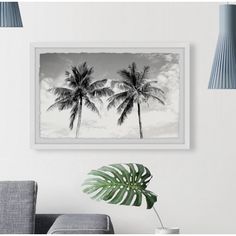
167, 231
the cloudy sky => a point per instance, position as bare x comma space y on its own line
158, 121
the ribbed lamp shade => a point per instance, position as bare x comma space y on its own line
223, 74
10, 15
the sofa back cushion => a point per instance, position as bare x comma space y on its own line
17, 207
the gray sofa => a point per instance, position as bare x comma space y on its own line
17, 214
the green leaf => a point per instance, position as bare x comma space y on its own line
138, 200
125, 173
123, 184
98, 196
127, 201
119, 196
111, 194
114, 172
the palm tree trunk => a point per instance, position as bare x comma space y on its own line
79, 118
140, 122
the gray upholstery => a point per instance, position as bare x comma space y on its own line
17, 214
17, 207
43, 222
82, 224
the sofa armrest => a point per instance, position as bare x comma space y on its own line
43, 222
82, 224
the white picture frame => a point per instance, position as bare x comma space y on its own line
182, 142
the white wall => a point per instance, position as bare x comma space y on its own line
196, 188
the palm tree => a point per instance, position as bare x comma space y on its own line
80, 92
135, 88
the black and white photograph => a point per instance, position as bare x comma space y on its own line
110, 96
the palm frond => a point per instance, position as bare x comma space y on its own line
97, 84
134, 74
125, 74
84, 70
74, 112
76, 76
156, 91
80, 76
72, 78
151, 81
62, 104
144, 73
61, 92
127, 110
102, 92
122, 85
121, 107
133, 68
116, 98
148, 87
90, 105
123, 184
149, 95
67, 73
85, 73
71, 82
78, 92
85, 82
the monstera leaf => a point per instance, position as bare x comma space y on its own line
123, 184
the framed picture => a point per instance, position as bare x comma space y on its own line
110, 96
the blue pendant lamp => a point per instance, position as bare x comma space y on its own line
10, 15
223, 73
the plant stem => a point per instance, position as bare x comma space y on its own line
159, 218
